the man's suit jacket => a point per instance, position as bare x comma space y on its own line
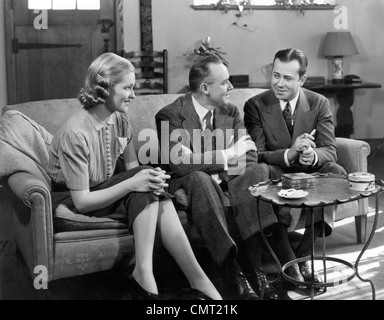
181, 116
265, 123
206, 199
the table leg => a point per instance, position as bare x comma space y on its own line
313, 250
324, 247
279, 267
366, 247
312, 254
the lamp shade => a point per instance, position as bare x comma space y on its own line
338, 44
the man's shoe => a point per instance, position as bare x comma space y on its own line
306, 271
294, 273
259, 280
238, 288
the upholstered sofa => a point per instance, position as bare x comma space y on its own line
25, 133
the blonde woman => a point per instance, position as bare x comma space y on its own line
83, 159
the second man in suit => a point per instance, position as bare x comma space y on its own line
207, 167
294, 132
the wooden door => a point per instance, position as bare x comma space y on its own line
50, 63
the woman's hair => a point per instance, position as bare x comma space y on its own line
103, 74
290, 54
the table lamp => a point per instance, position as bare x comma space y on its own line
337, 45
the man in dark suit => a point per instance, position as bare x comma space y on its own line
211, 155
294, 132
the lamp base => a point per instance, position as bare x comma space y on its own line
337, 75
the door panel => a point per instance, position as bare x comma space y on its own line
83, 56
28, 67
54, 73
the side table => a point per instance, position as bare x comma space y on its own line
329, 190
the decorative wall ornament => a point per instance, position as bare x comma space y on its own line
298, 5
205, 49
244, 7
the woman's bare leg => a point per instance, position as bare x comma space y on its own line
176, 242
144, 229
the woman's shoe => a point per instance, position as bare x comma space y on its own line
138, 293
194, 294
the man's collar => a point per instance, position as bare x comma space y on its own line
200, 110
292, 102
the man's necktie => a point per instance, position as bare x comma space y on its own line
287, 114
206, 141
208, 120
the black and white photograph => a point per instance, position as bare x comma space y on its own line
202, 152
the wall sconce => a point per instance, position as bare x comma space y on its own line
337, 45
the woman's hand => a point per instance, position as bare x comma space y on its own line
163, 175
151, 180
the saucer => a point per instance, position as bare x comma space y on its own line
292, 194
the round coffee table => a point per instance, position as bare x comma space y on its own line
329, 190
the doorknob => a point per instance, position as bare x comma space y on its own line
24, 46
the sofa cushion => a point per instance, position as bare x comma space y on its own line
66, 220
24, 146
80, 253
50, 114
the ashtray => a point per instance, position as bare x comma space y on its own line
292, 193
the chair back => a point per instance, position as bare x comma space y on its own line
151, 71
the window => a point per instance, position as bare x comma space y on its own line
40, 4
64, 4
88, 4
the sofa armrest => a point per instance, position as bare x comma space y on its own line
24, 185
353, 154
33, 221
353, 157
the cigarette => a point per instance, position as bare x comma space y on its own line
231, 140
313, 132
